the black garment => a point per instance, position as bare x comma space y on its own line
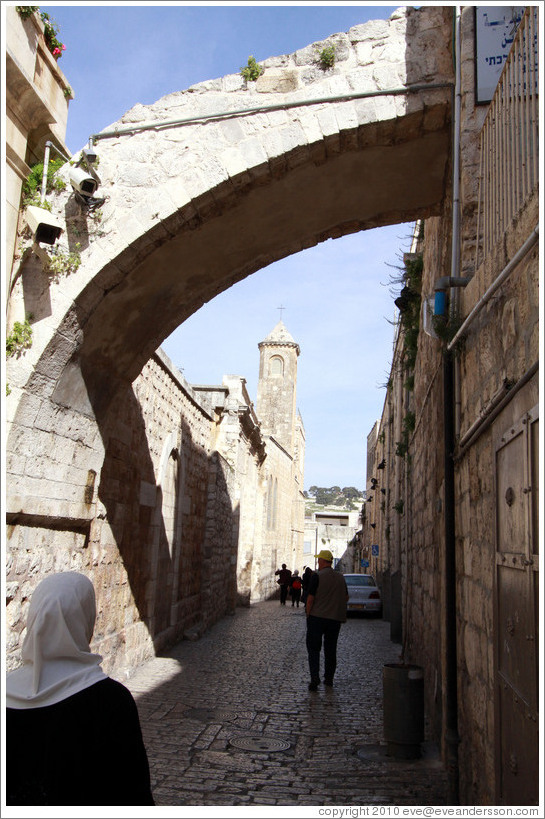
328, 588
85, 750
284, 581
318, 627
305, 580
295, 593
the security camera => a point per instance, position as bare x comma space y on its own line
89, 155
82, 182
45, 227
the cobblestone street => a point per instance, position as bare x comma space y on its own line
228, 719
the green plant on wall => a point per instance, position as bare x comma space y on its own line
32, 186
408, 427
326, 57
20, 337
252, 71
402, 448
446, 328
409, 423
26, 11
51, 29
408, 303
409, 383
399, 507
61, 263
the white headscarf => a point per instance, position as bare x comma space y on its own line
57, 660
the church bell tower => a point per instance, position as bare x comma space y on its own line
277, 386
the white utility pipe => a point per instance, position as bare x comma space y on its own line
455, 249
45, 169
507, 270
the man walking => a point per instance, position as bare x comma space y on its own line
284, 581
326, 611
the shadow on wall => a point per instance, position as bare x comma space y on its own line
174, 548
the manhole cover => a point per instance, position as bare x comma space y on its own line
263, 744
210, 714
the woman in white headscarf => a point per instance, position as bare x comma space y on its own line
73, 735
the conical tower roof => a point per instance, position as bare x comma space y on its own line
280, 335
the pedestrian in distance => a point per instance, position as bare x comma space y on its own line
295, 588
305, 580
326, 611
73, 734
284, 578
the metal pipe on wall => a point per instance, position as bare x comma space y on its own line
507, 270
45, 169
451, 397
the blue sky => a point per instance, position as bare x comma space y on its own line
338, 297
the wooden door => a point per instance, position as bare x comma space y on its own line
516, 615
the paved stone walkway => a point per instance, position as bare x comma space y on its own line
228, 719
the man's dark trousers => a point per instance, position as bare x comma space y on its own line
283, 593
318, 628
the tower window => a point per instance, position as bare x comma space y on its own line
276, 365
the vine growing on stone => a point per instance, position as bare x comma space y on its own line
20, 337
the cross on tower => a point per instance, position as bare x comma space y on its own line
281, 308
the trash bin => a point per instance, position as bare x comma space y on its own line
403, 707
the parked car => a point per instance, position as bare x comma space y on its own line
363, 594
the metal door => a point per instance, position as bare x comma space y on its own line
516, 616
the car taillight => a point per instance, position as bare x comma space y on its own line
374, 596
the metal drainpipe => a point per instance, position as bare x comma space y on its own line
507, 270
450, 407
153, 126
44, 174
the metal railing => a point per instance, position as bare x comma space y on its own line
509, 161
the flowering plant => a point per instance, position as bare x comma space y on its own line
51, 29
50, 34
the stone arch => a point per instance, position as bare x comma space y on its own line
202, 189
193, 207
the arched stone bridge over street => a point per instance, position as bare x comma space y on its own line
202, 189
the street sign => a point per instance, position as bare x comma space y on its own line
374, 549
364, 564
495, 28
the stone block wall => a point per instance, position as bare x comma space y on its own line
163, 564
500, 349
496, 359
174, 533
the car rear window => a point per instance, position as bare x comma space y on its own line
359, 580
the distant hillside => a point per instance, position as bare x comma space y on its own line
347, 498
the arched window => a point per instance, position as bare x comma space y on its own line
276, 365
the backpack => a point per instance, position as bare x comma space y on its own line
296, 584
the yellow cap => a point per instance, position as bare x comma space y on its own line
325, 554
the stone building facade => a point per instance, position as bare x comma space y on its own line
37, 100
85, 472
453, 462
190, 509
333, 529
